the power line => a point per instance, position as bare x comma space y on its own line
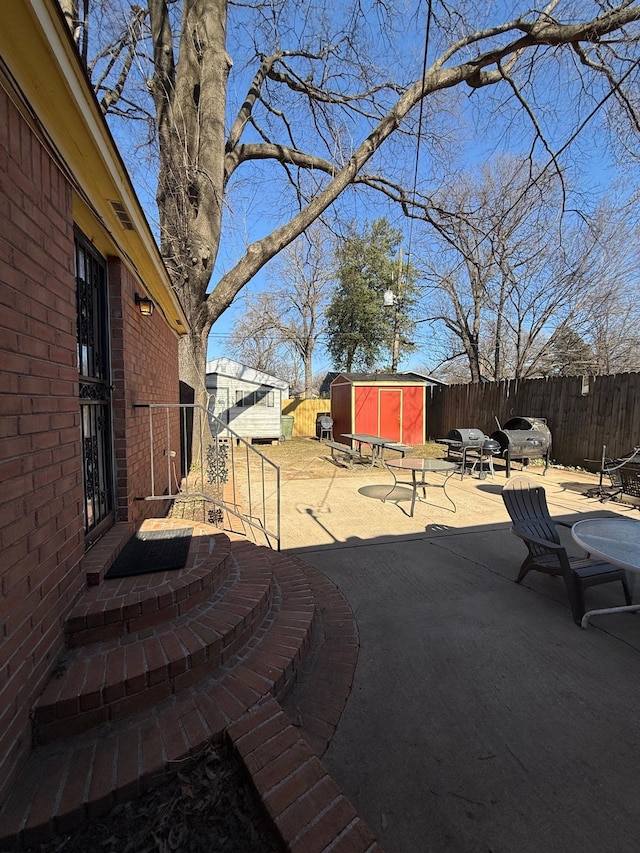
419, 138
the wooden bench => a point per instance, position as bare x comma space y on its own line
348, 452
402, 449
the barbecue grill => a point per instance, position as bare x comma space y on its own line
461, 441
522, 439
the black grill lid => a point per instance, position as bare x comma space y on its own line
522, 442
523, 423
467, 437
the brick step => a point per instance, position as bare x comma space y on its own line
107, 680
67, 781
128, 605
305, 804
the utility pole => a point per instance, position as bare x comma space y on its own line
397, 307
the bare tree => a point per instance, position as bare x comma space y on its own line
290, 313
254, 345
314, 94
613, 330
509, 275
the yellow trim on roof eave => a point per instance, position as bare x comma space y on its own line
38, 51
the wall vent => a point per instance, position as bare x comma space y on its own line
122, 215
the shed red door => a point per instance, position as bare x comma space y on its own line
390, 402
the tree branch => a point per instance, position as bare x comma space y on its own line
272, 151
127, 44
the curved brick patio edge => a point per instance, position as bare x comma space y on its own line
319, 696
306, 806
283, 758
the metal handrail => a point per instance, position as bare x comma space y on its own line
218, 465
621, 460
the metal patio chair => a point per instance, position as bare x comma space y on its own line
526, 504
326, 427
615, 470
630, 479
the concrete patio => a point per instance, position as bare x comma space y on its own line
481, 717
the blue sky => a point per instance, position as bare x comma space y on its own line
258, 211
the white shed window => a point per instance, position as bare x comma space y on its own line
264, 397
244, 398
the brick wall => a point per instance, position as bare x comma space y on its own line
41, 524
41, 500
145, 370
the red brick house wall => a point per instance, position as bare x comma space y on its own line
144, 358
41, 501
41, 522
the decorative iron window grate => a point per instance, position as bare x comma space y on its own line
95, 390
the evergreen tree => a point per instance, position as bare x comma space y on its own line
568, 354
360, 329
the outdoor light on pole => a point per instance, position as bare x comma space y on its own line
392, 300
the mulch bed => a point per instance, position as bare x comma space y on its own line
207, 807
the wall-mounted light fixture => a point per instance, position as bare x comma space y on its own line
145, 305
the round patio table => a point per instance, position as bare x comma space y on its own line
419, 466
616, 540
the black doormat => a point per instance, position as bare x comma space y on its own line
152, 551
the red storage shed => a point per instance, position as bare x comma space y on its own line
391, 405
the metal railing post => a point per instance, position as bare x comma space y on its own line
219, 472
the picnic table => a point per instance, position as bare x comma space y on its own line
378, 445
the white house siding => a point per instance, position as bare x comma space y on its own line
248, 401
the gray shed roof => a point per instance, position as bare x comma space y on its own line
397, 378
229, 367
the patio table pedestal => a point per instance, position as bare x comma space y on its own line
419, 466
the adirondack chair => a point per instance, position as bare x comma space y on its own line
526, 504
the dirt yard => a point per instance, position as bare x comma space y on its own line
308, 458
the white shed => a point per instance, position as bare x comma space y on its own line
247, 400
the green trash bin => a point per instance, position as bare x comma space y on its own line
286, 426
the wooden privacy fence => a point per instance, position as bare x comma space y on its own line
305, 413
583, 413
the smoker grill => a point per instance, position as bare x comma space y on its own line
459, 438
474, 441
522, 439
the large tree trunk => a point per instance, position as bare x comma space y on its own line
192, 359
308, 376
190, 101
